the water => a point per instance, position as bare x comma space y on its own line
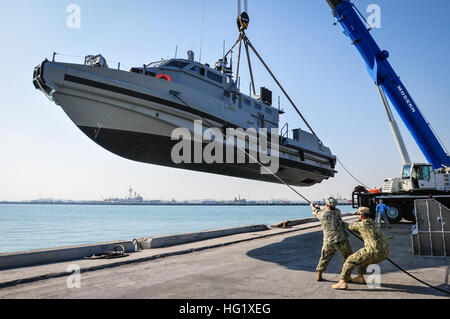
28, 227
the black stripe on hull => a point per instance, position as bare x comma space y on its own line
142, 96
156, 149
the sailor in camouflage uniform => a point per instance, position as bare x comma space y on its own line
334, 235
376, 249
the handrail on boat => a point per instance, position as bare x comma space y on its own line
81, 57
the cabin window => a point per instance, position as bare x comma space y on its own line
247, 102
198, 70
156, 64
215, 77
136, 70
177, 64
258, 107
226, 93
406, 172
141, 71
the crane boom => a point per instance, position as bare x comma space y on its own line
385, 77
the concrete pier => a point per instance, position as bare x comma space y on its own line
275, 263
174, 240
54, 255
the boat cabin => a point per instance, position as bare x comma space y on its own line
239, 109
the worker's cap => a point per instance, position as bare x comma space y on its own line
332, 202
364, 211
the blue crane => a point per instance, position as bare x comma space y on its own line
389, 84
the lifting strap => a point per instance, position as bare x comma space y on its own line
247, 44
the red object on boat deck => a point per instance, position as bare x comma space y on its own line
164, 76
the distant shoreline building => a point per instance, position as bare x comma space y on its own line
135, 199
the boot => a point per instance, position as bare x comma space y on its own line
359, 280
319, 276
341, 285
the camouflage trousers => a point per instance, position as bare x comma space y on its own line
362, 259
330, 249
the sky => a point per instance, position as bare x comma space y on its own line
44, 155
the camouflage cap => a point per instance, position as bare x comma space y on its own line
364, 211
332, 202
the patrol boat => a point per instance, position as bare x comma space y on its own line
133, 113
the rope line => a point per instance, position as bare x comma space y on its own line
361, 183
406, 272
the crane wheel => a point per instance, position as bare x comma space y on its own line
395, 213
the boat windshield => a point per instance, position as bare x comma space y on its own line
156, 64
177, 64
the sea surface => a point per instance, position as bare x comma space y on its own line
28, 227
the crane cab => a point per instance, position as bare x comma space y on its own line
415, 177
418, 176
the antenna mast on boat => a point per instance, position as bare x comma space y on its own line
223, 49
203, 28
